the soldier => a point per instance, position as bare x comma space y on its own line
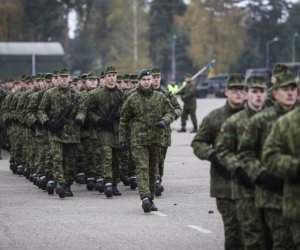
281, 157
144, 114
103, 113
156, 76
268, 187
248, 215
61, 113
188, 96
204, 144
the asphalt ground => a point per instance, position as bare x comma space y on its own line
187, 216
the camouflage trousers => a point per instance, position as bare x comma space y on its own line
44, 159
93, 157
32, 152
146, 160
184, 117
109, 164
64, 161
127, 165
295, 229
280, 230
232, 229
250, 221
161, 164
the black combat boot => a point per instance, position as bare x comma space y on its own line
182, 130
159, 188
115, 190
153, 207
20, 170
43, 182
125, 180
90, 183
194, 130
146, 205
26, 173
133, 182
99, 185
51, 185
80, 178
68, 191
61, 189
108, 190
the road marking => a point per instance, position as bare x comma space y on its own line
159, 214
200, 229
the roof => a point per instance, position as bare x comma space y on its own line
30, 48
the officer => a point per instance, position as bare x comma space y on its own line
156, 84
62, 113
188, 96
204, 144
248, 215
144, 114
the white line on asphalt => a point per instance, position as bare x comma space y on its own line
159, 213
200, 229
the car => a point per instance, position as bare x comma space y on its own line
212, 85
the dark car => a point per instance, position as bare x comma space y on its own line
212, 85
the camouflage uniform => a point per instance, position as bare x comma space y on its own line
281, 157
140, 112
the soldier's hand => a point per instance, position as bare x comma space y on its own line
161, 124
52, 126
243, 178
106, 124
268, 181
218, 166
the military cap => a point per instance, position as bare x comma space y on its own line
29, 78
55, 72
133, 78
126, 77
83, 76
236, 80
92, 75
48, 76
284, 79
256, 82
110, 69
155, 71
280, 68
75, 80
63, 72
102, 75
143, 72
39, 76
23, 77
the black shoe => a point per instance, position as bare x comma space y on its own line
43, 182
108, 190
68, 191
13, 168
194, 130
35, 179
133, 182
158, 188
20, 170
146, 205
116, 191
61, 189
182, 130
51, 185
99, 185
90, 183
153, 207
26, 173
125, 180
80, 178
31, 176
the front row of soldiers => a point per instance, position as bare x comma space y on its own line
255, 161
98, 135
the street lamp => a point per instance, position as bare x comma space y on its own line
294, 47
275, 39
174, 57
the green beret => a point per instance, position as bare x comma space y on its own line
143, 72
280, 68
92, 75
110, 69
48, 76
155, 71
284, 79
256, 82
63, 72
236, 80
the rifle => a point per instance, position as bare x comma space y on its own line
64, 115
114, 114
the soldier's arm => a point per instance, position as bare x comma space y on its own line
275, 157
227, 144
169, 112
175, 104
43, 108
124, 126
81, 107
248, 149
188, 93
92, 104
204, 139
31, 116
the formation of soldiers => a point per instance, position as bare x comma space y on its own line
253, 144
95, 131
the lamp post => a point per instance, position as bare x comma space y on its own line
275, 39
174, 37
294, 47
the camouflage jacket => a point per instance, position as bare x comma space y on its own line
250, 150
20, 111
228, 141
281, 157
139, 114
204, 144
54, 101
99, 103
188, 96
178, 110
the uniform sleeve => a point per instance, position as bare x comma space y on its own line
248, 150
124, 126
169, 112
275, 156
31, 115
91, 105
189, 92
204, 139
175, 104
226, 146
81, 108
43, 107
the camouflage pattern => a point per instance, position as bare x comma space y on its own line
188, 96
